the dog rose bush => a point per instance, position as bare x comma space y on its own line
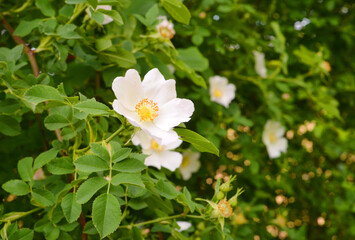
172, 119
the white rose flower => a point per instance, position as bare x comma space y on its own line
273, 138
190, 164
152, 104
220, 91
183, 225
260, 68
165, 28
159, 155
107, 19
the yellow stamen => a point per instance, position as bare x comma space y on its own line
166, 32
147, 110
155, 146
185, 162
217, 93
272, 137
225, 208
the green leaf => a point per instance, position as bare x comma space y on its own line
90, 228
177, 10
15, 53
121, 57
100, 150
24, 168
70, 207
113, 14
193, 58
91, 163
129, 165
9, 126
106, 214
26, 27
67, 31
16, 187
199, 142
43, 197
42, 93
166, 189
60, 166
45, 7
103, 43
128, 178
92, 107
136, 233
89, 188
185, 199
55, 121
44, 158
74, 1
22, 234
121, 154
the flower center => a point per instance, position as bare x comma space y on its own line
225, 208
185, 162
147, 110
166, 32
217, 93
155, 146
272, 137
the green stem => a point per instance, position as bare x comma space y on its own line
17, 215
114, 134
110, 175
77, 11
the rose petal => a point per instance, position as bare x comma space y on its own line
170, 160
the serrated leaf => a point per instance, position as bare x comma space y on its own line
113, 14
55, 121
67, 31
166, 189
89, 188
100, 150
70, 207
92, 107
24, 168
121, 57
91, 163
26, 27
129, 165
177, 10
42, 93
16, 187
15, 53
121, 154
193, 58
44, 158
106, 214
22, 234
61, 166
45, 7
199, 142
43, 197
9, 126
128, 178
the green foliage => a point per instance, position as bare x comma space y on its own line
68, 159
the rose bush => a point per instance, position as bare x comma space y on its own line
170, 119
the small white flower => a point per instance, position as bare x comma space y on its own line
273, 138
190, 164
39, 175
183, 225
152, 104
107, 19
165, 28
260, 68
159, 155
220, 91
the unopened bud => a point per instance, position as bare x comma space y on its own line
220, 195
201, 226
226, 187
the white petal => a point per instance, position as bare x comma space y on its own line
282, 144
153, 160
161, 93
131, 116
128, 89
273, 151
185, 173
161, 137
183, 225
173, 113
153, 77
107, 19
142, 138
171, 160
218, 81
173, 144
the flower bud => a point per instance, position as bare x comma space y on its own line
233, 201
220, 195
201, 226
